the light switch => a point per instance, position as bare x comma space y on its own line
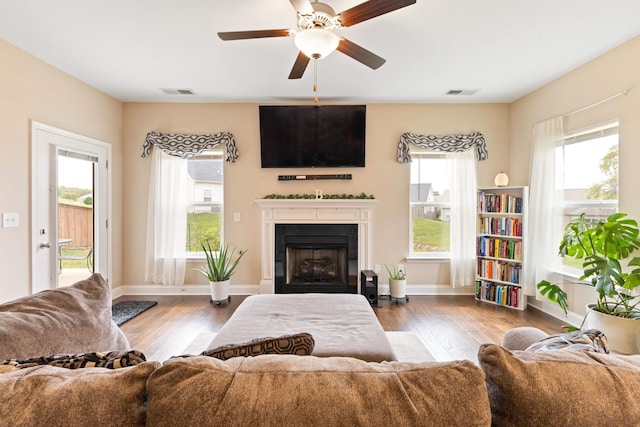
10, 220
236, 216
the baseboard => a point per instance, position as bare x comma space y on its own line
572, 318
430, 290
255, 289
179, 290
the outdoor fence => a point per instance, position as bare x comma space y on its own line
75, 223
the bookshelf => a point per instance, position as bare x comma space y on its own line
500, 238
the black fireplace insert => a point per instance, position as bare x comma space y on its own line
320, 258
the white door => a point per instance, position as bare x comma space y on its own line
58, 155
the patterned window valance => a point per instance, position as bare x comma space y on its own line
448, 143
186, 146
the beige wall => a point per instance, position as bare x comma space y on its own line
32, 90
612, 73
383, 176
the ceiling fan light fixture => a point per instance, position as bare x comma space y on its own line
316, 42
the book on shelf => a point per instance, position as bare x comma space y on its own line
499, 270
500, 226
507, 295
499, 248
499, 203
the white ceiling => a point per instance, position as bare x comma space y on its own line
502, 48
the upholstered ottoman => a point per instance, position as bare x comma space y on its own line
341, 324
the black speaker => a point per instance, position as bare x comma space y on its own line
369, 286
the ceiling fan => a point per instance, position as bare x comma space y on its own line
314, 36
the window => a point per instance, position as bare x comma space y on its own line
586, 175
205, 194
430, 206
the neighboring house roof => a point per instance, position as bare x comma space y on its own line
444, 197
421, 192
208, 171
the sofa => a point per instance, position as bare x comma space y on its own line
72, 327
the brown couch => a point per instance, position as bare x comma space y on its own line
269, 390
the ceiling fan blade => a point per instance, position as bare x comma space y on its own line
303, 7
299, 66
371, 9
258, 34
360, 54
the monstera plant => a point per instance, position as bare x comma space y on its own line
606, 248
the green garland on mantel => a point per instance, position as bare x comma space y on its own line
360, 196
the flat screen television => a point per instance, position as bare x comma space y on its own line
312, 136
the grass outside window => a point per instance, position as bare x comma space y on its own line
431, 235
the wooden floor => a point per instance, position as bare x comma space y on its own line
452, 327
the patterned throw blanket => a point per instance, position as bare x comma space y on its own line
589, 340
109, 360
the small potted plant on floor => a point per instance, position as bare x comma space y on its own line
397, 282
603, 245
219, 269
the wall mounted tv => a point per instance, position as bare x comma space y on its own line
323, 136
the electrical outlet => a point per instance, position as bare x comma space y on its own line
401, 268
376, 268
236, 216
10, 220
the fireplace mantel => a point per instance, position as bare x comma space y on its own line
312, 211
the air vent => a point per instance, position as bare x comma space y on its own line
462, 91
172, 91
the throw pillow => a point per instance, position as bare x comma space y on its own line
300, 344
589, 340
110, 360
73, 319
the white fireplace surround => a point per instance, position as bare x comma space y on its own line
312, 211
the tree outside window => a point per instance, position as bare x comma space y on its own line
587, 174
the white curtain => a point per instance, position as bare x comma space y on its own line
463, 185
544, 225
167, 220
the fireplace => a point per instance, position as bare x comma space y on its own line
321, 258
274, 212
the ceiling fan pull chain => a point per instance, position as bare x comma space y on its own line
315, 79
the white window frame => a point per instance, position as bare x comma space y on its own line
586, 134
194, 204
424, 255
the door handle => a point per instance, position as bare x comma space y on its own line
45, 245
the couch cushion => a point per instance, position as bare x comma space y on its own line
282, 390
298, 344
564, 387
48, 395
522, 337
52, 396
75, 319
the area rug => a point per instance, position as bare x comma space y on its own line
126, 310
407, 346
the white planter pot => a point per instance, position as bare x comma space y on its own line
623, 335
398, 288
219, 291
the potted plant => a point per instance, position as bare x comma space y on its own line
397, 281
603, 245
220, 266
